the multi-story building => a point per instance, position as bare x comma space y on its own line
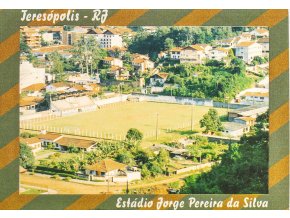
30, 75
260, 33
175, 53
248, 50
31, 36
264, 42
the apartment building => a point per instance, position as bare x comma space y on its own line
248, 50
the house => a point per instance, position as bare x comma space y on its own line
226, 42
29, 105
64, 143
34, 89
49, 138
175, 53
260, 33
246, 36
255, 97
218, 54
163, 55
118, 73
111, 170
113, 61
206, 47
31, 36
249, 111
192, 54
248, 50
116, 51
234, 129
142, 63
249, 121
158, 79
264, 42
93, 88
34, 143
105, 168
30, 75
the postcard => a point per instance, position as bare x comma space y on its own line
144, 109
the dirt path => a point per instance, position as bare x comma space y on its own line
63, 187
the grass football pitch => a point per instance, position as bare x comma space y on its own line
117, 119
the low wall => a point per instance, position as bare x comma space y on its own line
188, 100
196, 167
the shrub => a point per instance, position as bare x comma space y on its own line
67, 179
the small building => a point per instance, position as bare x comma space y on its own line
64, 143
260, 33
49, 138
234, 129
218, 54
34, 89
175, 53
113, 61
158, 79
249, 121
142, 63
249, 111
256, 97
29, 105
105, 168
34, 143
192, 54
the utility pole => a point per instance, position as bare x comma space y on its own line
156, 130
191, 119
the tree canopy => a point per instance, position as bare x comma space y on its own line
211, 122
243, 169
26, 158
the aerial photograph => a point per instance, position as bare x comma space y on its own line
144, 110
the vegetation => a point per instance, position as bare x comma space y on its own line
213, 80
57, 66
167, 37
243, 169
87, 54
26, 158
211, 122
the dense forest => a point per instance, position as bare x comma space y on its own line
243, 169
166, 38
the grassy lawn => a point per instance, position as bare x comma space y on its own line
117, 119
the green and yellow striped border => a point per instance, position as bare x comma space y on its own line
276, 20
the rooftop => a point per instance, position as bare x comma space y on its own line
79, 143
34, 87
233, 126
29, 141
49, 136
106, 165
27, 101
245, 44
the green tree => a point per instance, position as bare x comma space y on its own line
211, 122
168, 43
134, 135
238, 66
27, 159
57, 66
87, 54
125, 157
243, 168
